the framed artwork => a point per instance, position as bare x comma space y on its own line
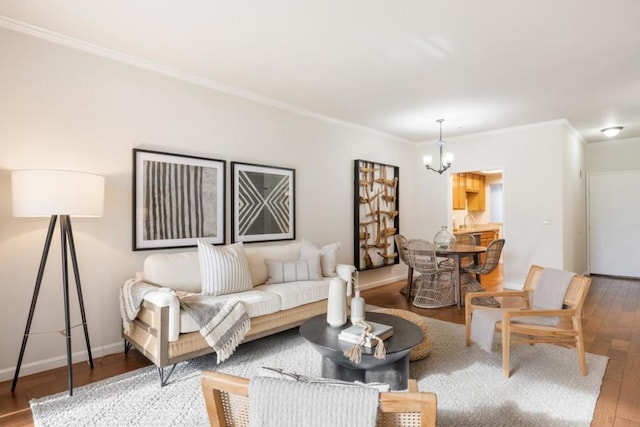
376, 214
263, 203
176, 200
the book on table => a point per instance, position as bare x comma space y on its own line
353, 334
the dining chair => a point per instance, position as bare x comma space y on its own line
491, 260
523, 324
465, 262
434, 286
401, 245
227, 400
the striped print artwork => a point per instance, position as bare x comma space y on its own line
179, 201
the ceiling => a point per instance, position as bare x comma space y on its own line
395, 67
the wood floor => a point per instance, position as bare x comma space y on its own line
611, 324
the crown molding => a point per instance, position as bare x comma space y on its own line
134, 61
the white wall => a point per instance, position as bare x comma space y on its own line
531, 158
574, 203
613, 156
65, 109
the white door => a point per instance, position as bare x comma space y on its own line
614, 223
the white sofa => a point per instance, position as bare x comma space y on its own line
166, 335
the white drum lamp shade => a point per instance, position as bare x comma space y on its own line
45, 192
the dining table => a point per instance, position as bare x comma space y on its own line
455, 252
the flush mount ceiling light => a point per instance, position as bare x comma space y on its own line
445, 160
612, 131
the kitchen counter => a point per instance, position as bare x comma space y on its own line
476, 228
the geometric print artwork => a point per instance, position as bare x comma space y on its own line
179, 201
263, 203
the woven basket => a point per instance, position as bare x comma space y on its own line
423, 349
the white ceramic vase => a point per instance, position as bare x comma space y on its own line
337, 304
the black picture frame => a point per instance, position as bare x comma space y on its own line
376, 214
177, 199
262, 203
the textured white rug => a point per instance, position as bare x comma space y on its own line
545, 389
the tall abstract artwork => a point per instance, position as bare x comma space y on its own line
177, 199
376, 212
263, 203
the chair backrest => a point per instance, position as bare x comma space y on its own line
576, 293
227, 400
492, 256
422, 256
401, 244
466, 239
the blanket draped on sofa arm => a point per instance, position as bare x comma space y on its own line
223, 324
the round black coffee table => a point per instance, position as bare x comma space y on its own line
393, 370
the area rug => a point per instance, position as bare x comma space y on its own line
545, 388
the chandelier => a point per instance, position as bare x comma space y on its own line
446, 159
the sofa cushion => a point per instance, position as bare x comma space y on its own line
179, 271
327, 255
294, 294
293, 271
224, 270
256, 256
257, 303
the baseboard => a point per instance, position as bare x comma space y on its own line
382, 282
56, 362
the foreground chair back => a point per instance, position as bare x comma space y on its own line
516, 330
227, 400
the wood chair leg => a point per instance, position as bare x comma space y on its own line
580, 347
506, 347
467, 325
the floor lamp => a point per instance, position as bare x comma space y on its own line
58, 194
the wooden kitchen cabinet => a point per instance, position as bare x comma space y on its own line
476, 199
459, 193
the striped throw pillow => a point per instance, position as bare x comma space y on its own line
293, 271
224, 270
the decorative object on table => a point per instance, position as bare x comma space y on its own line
446, 159
444, 238
367, 336
337, 303
58, 194
262, 203
357, 302
177, 200
376, 211
353, 333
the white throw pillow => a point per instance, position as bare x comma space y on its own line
224, 269
326, 253
293, 271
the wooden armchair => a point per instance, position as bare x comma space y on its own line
227, 400
516, 330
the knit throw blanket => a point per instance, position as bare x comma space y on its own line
275, 402
222, 324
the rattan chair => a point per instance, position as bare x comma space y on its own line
434, 285
491, 260
516, 330
466, 261
227, 400
401, 245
